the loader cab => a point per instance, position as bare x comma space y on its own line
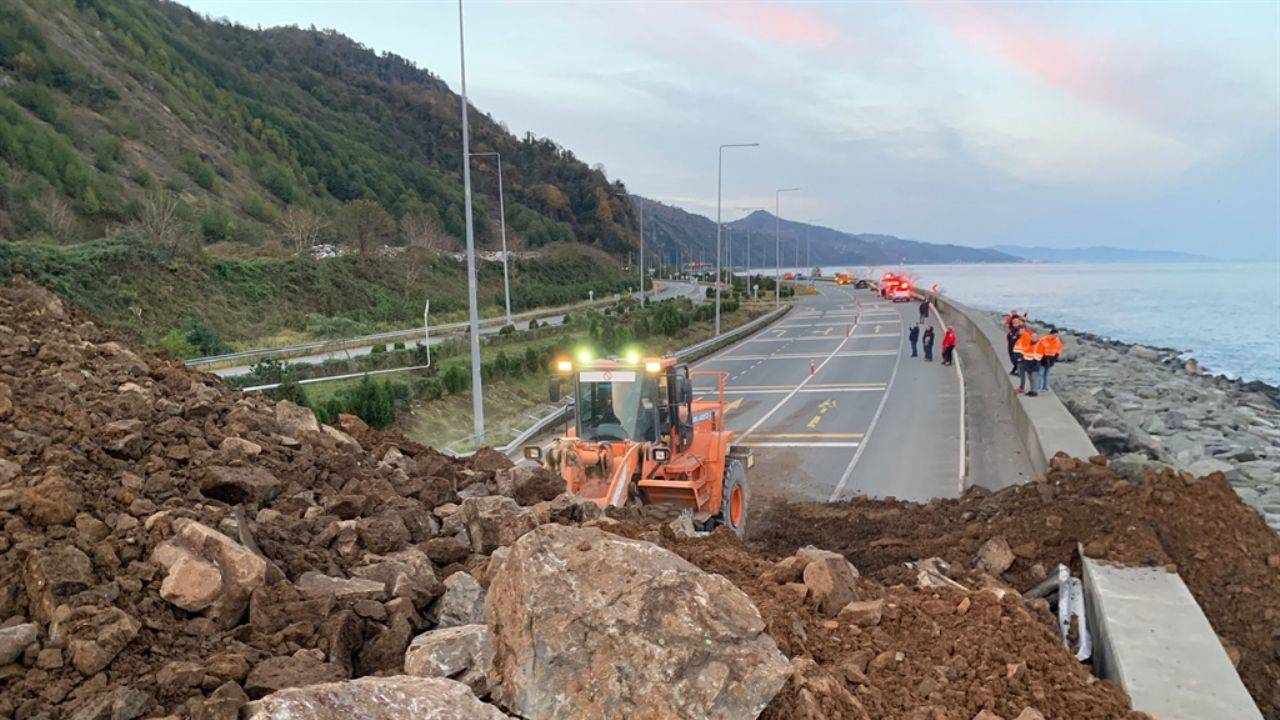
649, 401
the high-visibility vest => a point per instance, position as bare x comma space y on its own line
1049, 346
1026, 346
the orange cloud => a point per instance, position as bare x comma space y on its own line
775, 23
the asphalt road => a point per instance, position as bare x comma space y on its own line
671, 289
833, 405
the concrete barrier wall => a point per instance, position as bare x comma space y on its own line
1043, 425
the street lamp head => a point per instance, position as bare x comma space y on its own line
737, 145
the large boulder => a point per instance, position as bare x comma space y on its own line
383, 698
208, 571
462, 602
493, 521
589, 624
463, 653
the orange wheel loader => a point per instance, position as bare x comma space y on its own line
640, 437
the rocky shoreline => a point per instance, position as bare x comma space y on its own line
1149, 407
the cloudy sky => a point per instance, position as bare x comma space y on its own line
1146, 125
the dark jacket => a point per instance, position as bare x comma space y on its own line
928, 337
914, 334
924, 308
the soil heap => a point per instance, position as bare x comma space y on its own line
1222, 548
174, 548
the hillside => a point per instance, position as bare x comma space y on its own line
1097, 254
672, 233
121, 116
211, 303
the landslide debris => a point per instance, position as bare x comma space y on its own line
172, 547
1222, 548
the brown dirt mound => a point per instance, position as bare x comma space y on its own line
103, 451
1223, 549
935, 654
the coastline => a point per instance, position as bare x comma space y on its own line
1147, 407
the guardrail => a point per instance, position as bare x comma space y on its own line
1043, 425
691, 352
234, 359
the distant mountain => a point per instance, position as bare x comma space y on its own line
674, 235
1097, 254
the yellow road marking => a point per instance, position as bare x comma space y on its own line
814, 422
877, 329
733, 405
806, 436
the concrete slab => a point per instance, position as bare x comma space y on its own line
1151, 637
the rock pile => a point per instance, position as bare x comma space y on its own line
174, 548
1148, 408
1012, 539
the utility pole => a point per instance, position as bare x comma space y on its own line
502, 213
719, 185
477, 400
777, 243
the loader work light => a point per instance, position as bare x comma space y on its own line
653, 367
564, 366
583, 356
661, 454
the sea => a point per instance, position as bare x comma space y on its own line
1224, 314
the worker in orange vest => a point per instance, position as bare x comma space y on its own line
1028, 361
1049, 347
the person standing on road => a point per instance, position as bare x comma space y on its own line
927, 341
948, 345
913, 336
1029, 361
1013, 329
1049, 347
924, 310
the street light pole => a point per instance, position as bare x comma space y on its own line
719, 185
777, 243
477, 400
502, 213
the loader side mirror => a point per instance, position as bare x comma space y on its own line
553, 389
686, 390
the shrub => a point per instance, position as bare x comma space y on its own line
507, 329
202, 336
399, 346
175, 342
377, 349
533, 323
372, 402
456, 380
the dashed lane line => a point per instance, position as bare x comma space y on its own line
857, 455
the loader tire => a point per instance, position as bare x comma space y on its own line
735, 499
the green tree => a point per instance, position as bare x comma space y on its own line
364, 224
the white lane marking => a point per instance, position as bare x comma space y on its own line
807, 356
797, 389
825, 337
886, 321
955, 356
797, 444
806, 390
848, 471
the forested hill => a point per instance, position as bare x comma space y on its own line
120, 115
676, 236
